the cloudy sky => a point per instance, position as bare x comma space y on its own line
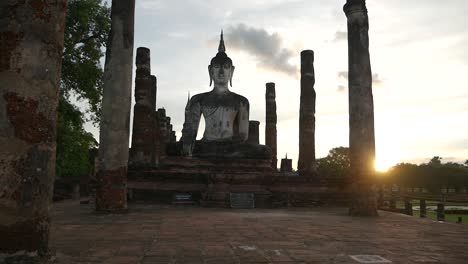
418, 53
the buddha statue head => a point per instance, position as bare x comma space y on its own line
221, 68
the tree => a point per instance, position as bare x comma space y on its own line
431, 175
87, 28
336, 164
73, 143
435, 161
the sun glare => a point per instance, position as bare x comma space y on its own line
384, 162
382, 165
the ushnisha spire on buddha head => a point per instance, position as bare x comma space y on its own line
221, 58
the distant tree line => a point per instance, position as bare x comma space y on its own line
431, 175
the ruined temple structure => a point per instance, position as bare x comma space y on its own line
152, 130
144, 121
228, 161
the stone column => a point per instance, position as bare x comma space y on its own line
254, 132
270, 124
306, 163
361, 111
154, 92
422, 208
116, 103
31, 44
143, 121
408, 207
154, 125
440, 212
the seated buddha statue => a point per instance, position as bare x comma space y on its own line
226, 117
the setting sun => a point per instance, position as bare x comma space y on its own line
382, 165
384, 162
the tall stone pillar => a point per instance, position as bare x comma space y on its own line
306, 163
254, 132
116, 102
154, 122
270, 124
31, 44
154, 92
361, 111
142, 151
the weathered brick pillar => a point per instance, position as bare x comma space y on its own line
270, 124
162, 130
31, 45
361, 111
306, 163
116, 103
254, 132
142, 151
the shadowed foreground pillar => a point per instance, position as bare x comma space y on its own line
116, 103
361, 111
306, 163
270, 124
31, 44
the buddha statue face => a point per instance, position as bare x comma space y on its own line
221, 73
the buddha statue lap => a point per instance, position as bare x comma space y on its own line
226, 117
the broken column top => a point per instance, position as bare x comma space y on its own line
355, 6
307, 61
143, 60
162, 112
270, 89
309, 54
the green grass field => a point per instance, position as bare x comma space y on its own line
448, 217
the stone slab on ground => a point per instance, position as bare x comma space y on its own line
190, 234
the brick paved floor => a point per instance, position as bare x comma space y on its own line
168, 234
